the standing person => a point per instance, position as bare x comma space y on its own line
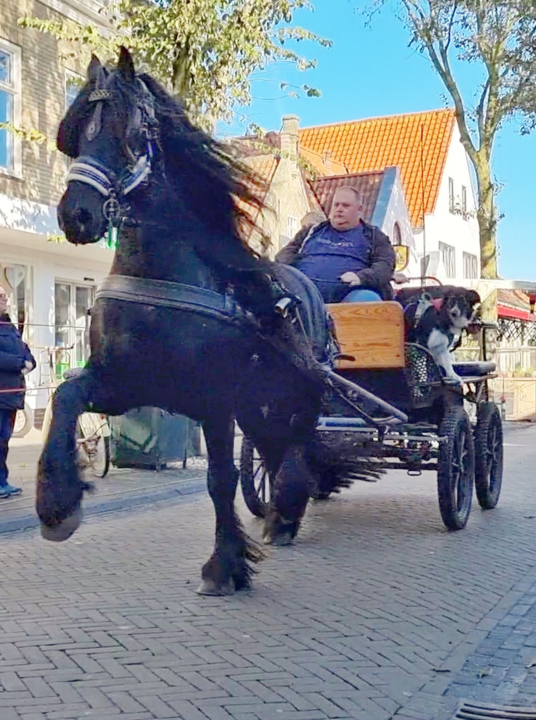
16, 361
347, 259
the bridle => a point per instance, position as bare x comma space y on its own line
113, 187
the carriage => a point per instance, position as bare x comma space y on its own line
388, 401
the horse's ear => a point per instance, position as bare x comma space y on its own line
126, 65
94, 69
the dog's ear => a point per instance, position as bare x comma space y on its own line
473, 297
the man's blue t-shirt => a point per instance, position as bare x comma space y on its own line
330, 253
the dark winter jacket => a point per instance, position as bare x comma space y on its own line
13, 356
381, 262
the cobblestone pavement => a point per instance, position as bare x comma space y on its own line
120, 489
376, 613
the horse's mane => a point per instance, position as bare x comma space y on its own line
223, 193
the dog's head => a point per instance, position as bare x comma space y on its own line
459, 306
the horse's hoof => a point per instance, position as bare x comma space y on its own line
64, 529
212, 589
280, 540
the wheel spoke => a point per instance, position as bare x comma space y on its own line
459, 468
259, 481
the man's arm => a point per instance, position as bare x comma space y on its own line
290, 252
10, 362
383, 261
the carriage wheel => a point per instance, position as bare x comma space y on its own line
488, 455
254, 480
456, 468
93, 444
24, 422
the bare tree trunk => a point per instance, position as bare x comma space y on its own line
486, 217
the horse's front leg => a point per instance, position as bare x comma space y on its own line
229, 567
59, 486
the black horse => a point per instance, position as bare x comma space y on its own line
166, 330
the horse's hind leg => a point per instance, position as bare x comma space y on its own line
59, 486
228, 568
292, 489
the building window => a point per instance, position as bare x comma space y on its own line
71, 305
292, 226
452, 202
73, 85
470, 266
9, 104
448, 256
15, 281
464, 200
397, 235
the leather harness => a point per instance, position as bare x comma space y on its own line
178, 296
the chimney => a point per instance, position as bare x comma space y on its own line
290, 137
327, 159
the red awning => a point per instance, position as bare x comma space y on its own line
515, 313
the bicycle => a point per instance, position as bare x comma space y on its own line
92, 429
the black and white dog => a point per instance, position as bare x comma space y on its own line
435, 317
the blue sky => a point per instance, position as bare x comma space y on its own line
370, 71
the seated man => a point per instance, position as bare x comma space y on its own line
346, 258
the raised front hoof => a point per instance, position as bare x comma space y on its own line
211, 588
64, 530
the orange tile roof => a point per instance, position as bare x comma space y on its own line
323, 165
376, 143
263, 166
367, 184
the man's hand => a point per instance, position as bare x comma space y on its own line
351, 278
28, 367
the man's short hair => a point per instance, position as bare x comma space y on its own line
351, 189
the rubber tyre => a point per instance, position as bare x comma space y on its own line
24, 422
489, 455
456, 469
254, 480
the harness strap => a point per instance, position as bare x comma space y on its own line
178, 296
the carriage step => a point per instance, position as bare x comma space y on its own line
326, 423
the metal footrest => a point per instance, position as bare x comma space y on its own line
337, 423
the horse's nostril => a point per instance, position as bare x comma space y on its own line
82, 216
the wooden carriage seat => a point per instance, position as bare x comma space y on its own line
372, 333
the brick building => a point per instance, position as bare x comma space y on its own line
51, 284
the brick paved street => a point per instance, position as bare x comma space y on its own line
376, 613
120, 489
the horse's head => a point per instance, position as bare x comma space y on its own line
110, 132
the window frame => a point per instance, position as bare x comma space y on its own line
14, 88
452, 198
70, 327
70, 75
473, 259
293, 226
397, 234
464, 201
444, 249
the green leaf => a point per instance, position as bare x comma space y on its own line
204, 51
